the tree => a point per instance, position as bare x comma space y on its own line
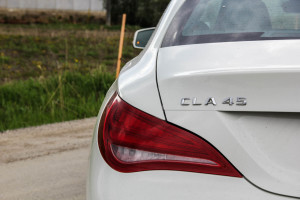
145, 13
108, 12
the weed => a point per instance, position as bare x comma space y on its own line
52, 79
37, 56
68, 96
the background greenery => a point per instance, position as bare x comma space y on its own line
52, 73
58, 66
37, 54
67, 96
145, 13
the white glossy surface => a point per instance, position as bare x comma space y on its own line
108, 184
265, 147
267, 73
95, 152
137, 81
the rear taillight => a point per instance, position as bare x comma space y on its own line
131, 140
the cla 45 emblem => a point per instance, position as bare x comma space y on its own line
239, 101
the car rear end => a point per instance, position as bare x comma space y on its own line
209, 110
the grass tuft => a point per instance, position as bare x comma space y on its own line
56, 72
22, 57
69, 96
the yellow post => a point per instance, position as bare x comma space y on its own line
121, 45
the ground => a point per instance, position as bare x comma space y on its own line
46, 162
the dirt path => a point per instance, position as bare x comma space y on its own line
46, 162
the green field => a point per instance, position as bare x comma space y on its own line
36, 53
69, 26
45, 79
68, 96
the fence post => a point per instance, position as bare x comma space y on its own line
121, 45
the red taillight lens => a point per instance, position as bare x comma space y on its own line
131, 140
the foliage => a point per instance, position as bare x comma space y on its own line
145, 13
68, 27
22, 57
67, 96
46, 79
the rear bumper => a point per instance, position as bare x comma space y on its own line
105, 183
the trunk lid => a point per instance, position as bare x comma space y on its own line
261, 138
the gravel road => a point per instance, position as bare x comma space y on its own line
45, 162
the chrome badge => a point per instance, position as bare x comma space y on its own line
239, 101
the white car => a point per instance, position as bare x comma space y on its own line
208, 110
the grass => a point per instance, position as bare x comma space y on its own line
45, 79
68, 96
22, 57
70, 26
